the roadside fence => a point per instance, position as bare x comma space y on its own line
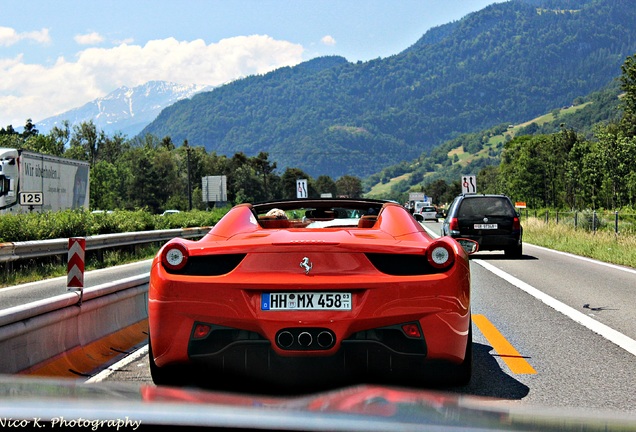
590, 220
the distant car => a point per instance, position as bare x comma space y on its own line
428, 213
490, 220
307, 292
170, 212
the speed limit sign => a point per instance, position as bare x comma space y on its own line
31, 198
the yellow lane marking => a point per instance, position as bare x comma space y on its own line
85, 359
515, 361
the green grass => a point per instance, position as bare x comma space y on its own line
601, 245
383, 189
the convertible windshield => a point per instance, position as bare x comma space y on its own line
318, 214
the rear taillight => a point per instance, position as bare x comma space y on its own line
440, 255
454, 226
516, 224
174, 256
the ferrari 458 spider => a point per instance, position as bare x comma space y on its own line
304, 292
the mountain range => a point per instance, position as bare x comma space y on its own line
126, 110
504, 64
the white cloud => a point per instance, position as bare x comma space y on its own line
9, 36
93, 38
328, 40
37, 91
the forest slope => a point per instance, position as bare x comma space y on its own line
504, 64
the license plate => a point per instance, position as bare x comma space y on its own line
306, 301
485, 226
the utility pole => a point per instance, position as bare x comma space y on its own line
187, 147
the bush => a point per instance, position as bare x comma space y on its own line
80, 223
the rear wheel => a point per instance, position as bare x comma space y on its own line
166, 375
514, 251
450, 375
459, 375
465, 369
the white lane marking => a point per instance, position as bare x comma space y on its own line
120, 364
627, 343
590, 260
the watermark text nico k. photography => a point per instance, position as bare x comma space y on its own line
69, 423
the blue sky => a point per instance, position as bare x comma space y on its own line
59, 55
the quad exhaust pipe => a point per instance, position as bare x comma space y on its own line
305, 339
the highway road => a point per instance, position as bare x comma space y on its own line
550, 329
563, 363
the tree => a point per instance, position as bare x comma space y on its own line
29, 129
41, 144
105, 187
61, 136
521, 170
615, 154
488, 180
325, 184
628, 101
111, 149
85, 142
264, 169
349, 186
246, 183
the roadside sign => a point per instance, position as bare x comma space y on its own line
416, 196
75, 266
520, 204
469, 184
301, 188
214, 188
31, 198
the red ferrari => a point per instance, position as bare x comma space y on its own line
307, 292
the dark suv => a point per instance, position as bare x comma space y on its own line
490, 220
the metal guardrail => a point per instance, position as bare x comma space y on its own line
72, 320
36, 332
34, 249
41, 307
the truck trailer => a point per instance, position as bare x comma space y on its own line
38, 182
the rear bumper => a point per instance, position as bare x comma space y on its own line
493, 242
384, 355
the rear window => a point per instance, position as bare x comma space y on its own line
486, 206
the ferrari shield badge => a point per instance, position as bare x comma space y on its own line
306, 264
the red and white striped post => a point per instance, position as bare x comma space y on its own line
75, 268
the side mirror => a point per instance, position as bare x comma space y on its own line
470, 246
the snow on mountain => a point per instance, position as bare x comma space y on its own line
125, 110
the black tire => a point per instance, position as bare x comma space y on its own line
167, 375
450, 375
515, 251
465, 369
